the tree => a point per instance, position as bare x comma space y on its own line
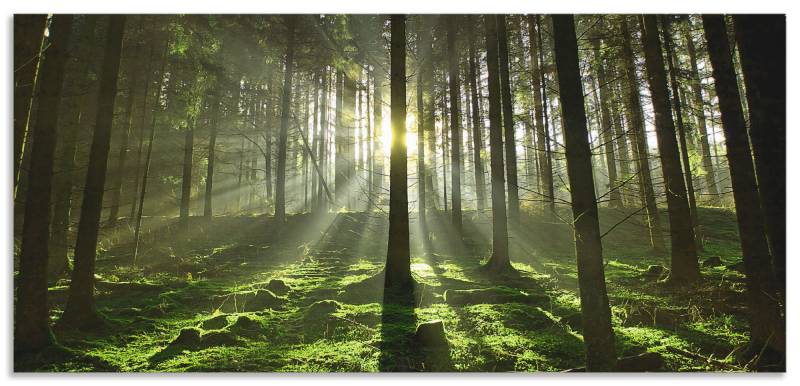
762, 48
684, 265
28, 35
508, 121
477, 122
31, 316
767, 327
455, 121
80, 311
500, 260
635, 118
598, 335
286, 99
424, 97
540, 111
398, 258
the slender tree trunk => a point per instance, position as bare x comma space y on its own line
477, 122
208, 211
186, 180
699, 113
31, 316
621, 134
141, 124
116, 190
672, 65
500, 260
762, 47
424, 57
80, 311
28, 40
398, 258
598, 335
508, 122
323, 129
684, 263
455, 121
286, 100
543, 131
606, 128
635, 118
377, 112
65, 174
767, 327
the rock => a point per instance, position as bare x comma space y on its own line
188, 337
713, 261
219, 338
655, 271
649, 361
277, 286
491, 296
262, 299
321, 309
431, 336
215, 323
246, 326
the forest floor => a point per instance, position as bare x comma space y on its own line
244, 294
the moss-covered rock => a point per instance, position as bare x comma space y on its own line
278, 287
215, 323
187, 337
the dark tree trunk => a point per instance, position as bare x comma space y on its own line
635, 118
323, 140
425, 65
543, 130
508, 121
598, 335
500, 260
377, 176
208, 209
762, 47
699, 112
767, 329
398, 258
684, 264
80, 311
186, 179
31, 316
455, 121
286, 100
340, 169
65, 174
672, 65
477, 123
132, 75
28, 35
606, 128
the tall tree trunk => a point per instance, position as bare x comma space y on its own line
186, 179
477, 122
762, 47
543, 130
508, 121
132, 75
377, 112
208, 209
606, 128
31, 316
621, 134
286, 100
598, 335
455, 121
767, 328
672, 65
141, 124
684, 266
28, 39
80, 311
64, 175
425, 64
398, 258
699, 113
323, 141
635, 118
500, 260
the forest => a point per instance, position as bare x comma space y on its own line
384, 193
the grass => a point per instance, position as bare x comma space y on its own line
315, 327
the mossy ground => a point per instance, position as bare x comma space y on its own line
207, 279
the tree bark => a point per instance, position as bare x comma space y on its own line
80, 311
455, 122
477, 122
398, 258
286, 100
767, 329
31, 316
598, 335
606, 128
508, 122
684, 265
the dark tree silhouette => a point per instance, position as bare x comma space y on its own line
455, 120
286, 100
508, 121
